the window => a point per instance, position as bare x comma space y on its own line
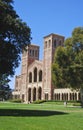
30, 77
35, 75
54, 43
40, 75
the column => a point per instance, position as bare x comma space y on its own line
68, 96
60, 97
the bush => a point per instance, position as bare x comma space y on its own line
39, 101
16, 100
76, 104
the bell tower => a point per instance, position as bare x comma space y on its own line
50, 43
29, 55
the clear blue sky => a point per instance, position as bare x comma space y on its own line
49, 16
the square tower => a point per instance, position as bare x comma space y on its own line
30, 54
50, 43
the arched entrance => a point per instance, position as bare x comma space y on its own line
39, 93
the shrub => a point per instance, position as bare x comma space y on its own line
39, 101
16, 100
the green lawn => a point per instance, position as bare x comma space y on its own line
46, 116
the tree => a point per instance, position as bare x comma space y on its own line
67, 69
15, 35
5, 92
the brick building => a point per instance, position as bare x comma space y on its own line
35, 81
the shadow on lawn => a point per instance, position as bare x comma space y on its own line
25, 113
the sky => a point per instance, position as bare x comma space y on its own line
48, 16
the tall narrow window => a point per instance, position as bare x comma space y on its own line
54, 43
35, 75
30, 77
40, 75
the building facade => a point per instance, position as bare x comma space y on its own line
35, 81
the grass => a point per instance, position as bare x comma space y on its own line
46, 116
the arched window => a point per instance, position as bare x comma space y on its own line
40, 75
35, 75
30, 77
54, 43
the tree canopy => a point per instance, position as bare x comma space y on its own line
5, 92
67, 69
14, 36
